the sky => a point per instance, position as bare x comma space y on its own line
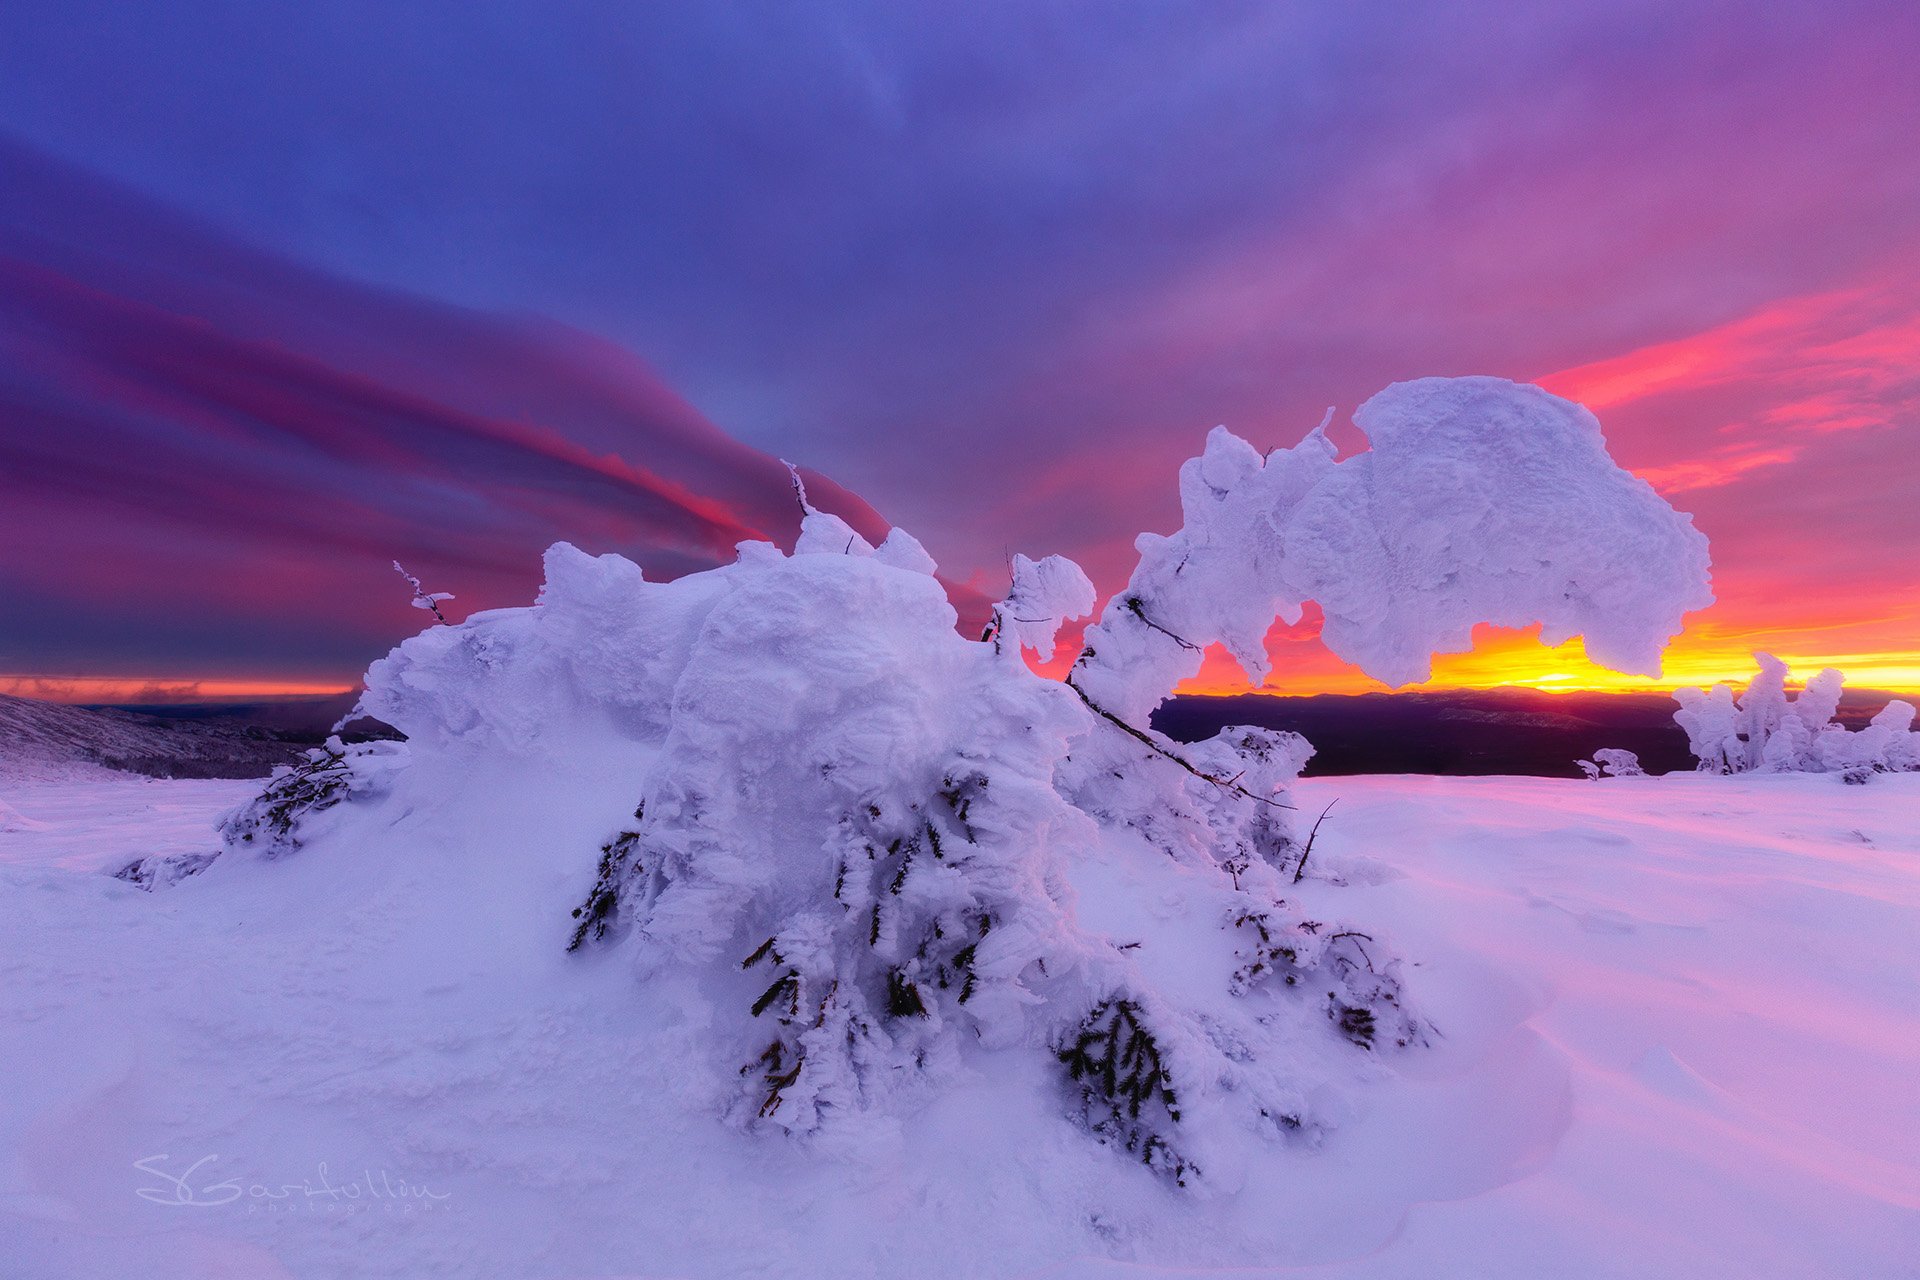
289, 292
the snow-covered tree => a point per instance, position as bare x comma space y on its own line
855, 848
1612, 762
423, 598
1767, 730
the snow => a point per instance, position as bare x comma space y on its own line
1481, 500
1677, 1038
849, 838
1043, 595
758, 922
1768, 730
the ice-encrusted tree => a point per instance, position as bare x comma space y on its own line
1612, 762
866, 847
1765, 729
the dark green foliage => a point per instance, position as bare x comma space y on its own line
1364, 1004
903, 996
760, 953
314, 785
960, 794
1270, 955
1126, 1094
920, 959
1355, 1024
911, 847
600, 910
786, 986
778, 1073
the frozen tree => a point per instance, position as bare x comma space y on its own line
857, 848
1612, 762
423, 598
1480, 501
1766, 729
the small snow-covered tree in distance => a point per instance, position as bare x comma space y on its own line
1612, 762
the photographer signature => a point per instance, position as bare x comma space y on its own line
189, 1187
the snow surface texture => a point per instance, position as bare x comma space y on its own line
1768, 731
1681, 1015
1481, 500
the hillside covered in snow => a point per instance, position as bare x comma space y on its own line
48, 739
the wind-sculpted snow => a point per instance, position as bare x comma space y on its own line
1481, 500
854, 840
1043, 595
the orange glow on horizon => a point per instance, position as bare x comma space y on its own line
157, 690
1515, 658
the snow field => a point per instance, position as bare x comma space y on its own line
1679, 1036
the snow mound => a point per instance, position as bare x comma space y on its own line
1612, 762
11, 819
851, 845
841, 821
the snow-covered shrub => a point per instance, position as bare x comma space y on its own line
1612, 762
285, 815
856, 849
1767, 730
288, 811
158, 872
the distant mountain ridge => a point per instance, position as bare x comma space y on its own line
1465, 732
1454, 732
40, 739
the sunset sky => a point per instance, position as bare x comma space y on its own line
289, 292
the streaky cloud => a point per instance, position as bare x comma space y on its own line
199, 427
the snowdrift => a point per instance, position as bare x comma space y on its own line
1679, 1039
